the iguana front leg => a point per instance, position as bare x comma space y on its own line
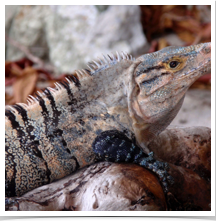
114, 146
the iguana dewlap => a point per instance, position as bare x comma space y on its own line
117, 97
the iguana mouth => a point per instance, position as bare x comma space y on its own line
204, 68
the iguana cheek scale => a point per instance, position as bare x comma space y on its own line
109, 111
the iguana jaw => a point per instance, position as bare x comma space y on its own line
160, 88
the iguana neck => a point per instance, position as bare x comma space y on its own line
158, 86
111, 92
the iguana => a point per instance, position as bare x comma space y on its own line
110, 111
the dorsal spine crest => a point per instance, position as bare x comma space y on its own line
94, 66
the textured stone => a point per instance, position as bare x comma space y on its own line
85, 33
70, 36
27, 29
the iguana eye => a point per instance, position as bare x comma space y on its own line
173, 64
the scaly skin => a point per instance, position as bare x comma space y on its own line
129, 100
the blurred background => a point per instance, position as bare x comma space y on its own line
44, 44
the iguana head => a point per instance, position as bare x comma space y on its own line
161, 80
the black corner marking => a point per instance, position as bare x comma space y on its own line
73, 101
22, 111
10, 186
49, 96
12, 119
56, 113
88, 71
110, 57
67, 87
14, 123
43, 105
75, 80
45, 113
48, 172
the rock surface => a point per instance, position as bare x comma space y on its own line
70, 36
27, 28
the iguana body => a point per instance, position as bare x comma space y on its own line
119, 98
